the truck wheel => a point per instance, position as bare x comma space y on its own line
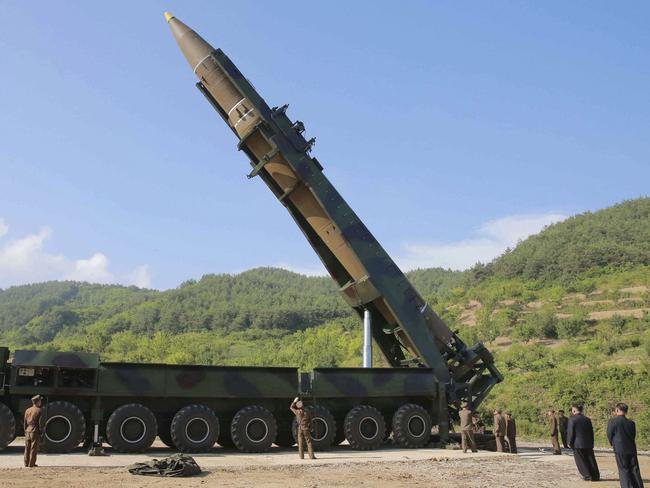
253, 429
411, 426
164, 434
65, 427
7, 426
323, 427
195, 428
365, 428
131, 428
285, 436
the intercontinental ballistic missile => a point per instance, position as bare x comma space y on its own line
404, 326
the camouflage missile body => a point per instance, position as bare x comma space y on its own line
404, 326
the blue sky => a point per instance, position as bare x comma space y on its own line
453, 129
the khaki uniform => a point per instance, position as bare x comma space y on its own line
553, 429
511, 434
33, 424
304, 431
467, 430
500, 432
563, 425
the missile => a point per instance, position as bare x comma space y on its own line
368, 279
279, 154
286, 169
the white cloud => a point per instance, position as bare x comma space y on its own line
140, 277
93, 269
26, 260
490, 240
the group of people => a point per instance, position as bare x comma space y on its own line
576, 432
505, 430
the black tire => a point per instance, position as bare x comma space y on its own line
285, 436
253, 429
323, 427
65, 427
131, 428
195, 428
164, 434
365, 428
7, 426
411, 426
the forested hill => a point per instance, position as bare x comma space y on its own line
615, 237
566, 313
612, 239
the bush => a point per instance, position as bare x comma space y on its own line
612, 345
528, 358
617, 322
571, 327
538, 325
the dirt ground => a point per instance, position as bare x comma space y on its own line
338, 468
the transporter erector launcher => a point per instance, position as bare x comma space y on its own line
406, 329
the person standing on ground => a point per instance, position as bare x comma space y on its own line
580, 436
467, 428
34, 426
499, 430
303, 417
563, 424
621, 433
553, 430
511, 433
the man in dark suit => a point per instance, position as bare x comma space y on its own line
580, 436
621, 433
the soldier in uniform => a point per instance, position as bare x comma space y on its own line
511, 433
563, 424
34, 425
499, 430
553, 430
304, 428
467, 428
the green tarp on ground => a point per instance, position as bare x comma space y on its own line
175, 465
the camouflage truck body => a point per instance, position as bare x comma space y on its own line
192, 408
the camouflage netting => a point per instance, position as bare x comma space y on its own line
175, 465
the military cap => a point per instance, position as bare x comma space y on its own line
36, 398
